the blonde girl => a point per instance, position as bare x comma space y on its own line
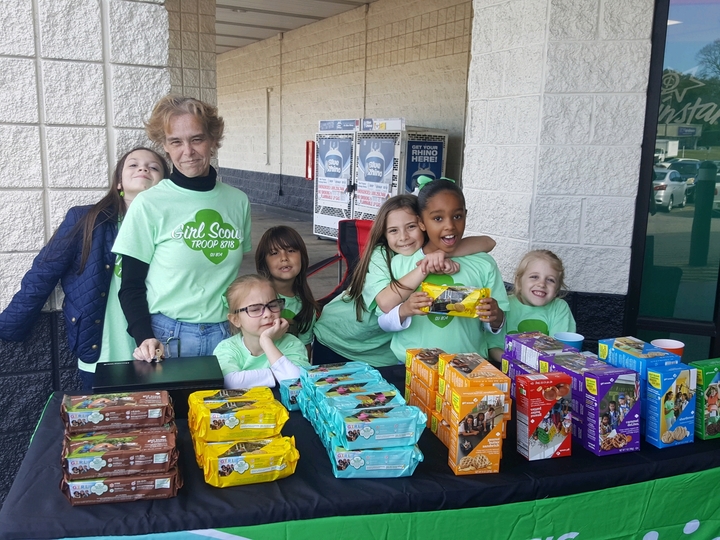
536, 302
260, 352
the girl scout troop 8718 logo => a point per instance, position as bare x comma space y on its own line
210, 234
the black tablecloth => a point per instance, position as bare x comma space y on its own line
36, 508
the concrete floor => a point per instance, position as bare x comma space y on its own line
264, 217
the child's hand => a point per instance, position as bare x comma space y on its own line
450, 267
433, 263
276, 331
489, 312
412, 305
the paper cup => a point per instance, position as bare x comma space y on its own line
670, 345
570, 338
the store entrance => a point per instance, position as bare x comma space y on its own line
678, 274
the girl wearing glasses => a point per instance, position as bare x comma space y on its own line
261, 351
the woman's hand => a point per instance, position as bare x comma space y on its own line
149, 350
412, 306
489, 312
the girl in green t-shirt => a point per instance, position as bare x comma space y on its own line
282, 257
349, 326
442, 218
261, 351
536, 303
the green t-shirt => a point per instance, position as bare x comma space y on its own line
452, 334
193, 242
293, 305
233, 356
548, 319
364, 341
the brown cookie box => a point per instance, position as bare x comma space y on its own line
170, 427
119, 454
109, 412
122, 489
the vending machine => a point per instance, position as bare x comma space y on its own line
384, 157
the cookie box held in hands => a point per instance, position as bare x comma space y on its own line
109, 412
670, 405
454, 300
544, 415
707, 416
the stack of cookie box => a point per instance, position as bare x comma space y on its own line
367, 428
633, 353
236, 436
119, 447
471, 405
594, 385
707, 415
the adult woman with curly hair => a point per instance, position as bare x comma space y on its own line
182, 241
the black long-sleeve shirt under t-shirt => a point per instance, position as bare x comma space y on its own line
133, 289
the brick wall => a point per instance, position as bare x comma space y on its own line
78, 79
556, 104
392, 58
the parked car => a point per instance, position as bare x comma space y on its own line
688, 169
669, 188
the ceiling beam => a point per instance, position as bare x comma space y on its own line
267, 12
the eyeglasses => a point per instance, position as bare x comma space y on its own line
257, 310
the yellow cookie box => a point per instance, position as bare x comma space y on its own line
454, 300
198, 399
251, 462
238, 420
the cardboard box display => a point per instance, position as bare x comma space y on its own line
670, 406
416, 402
475, 420
425, 394
531, 348
633, 353
512, 369
611, 416
544, 415
707, 415
470, 369
427, 357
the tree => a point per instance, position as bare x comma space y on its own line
709, 60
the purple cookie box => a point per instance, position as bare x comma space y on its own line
531, 348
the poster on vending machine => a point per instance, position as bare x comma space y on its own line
333, 175
375, 174
423, 158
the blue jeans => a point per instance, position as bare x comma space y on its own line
188, 339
